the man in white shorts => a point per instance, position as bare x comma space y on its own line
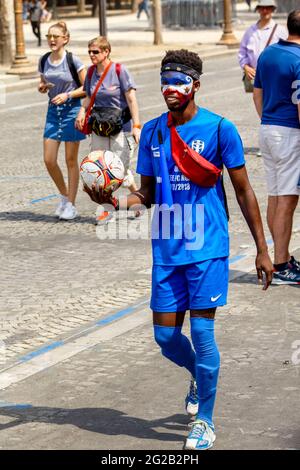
277, 100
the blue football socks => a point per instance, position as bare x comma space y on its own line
207, 365
175, 346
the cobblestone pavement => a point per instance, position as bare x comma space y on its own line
59, 278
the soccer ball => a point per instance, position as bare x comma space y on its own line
103, 169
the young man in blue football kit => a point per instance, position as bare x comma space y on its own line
189, 229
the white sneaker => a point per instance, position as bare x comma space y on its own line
192, 400
69, 212
61, 205
201, 437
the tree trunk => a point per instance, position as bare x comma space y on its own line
54, 10
157, 23
102, 18
95, 9
134, 6
5, 35
80, 6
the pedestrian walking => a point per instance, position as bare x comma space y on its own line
62, 77
277, 100
25, 11
35, 15
258, 36
189, 229
46, 15
249, 4
115, 101
143, 6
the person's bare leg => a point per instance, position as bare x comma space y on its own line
271, 211
282, 227
132, 188
73, 169
50, 158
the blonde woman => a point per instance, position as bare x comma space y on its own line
62, 77
116, 94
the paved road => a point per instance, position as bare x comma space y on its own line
60, 278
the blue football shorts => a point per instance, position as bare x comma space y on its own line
196, 286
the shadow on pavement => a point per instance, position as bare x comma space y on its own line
251, 150
99, 420
16, 216
251, 278
243, 278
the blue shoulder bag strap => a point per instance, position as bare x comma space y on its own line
164, 187
167, 197
219, 152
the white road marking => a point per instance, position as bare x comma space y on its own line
24, 106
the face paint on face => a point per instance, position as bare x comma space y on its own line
176, 87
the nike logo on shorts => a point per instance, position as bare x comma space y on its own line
214, 299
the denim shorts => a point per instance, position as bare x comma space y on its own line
60, 122
196, 286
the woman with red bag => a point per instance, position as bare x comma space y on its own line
112, 110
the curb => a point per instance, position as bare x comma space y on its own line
157, 60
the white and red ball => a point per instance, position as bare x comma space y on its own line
103, 169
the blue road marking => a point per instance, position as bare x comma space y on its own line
117, 315
236, 258
4, 404
102, 322
41, 351
46, 198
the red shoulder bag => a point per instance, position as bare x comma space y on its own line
190, 163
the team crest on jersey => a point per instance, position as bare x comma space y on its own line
198, 145
176, 169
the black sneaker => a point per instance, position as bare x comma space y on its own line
291, 275
295, 263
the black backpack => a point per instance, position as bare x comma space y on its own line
71, 66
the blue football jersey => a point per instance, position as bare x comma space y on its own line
195, 228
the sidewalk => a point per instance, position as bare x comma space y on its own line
132, 42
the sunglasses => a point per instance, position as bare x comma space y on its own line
94, 52
54, 36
